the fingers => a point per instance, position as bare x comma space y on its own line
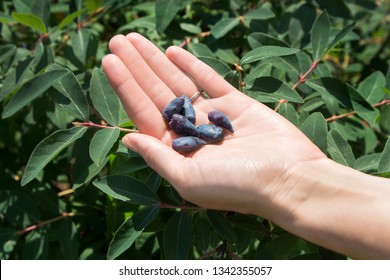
160, 157
208, 80
178, 82
141, 110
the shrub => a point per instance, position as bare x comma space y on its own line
68, 182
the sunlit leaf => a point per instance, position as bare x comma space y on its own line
264, 52
384, 162
320, 35
339, 149
315, 128
101, 144
222, 27
30, 20
48, 149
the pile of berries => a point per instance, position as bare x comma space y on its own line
180, 115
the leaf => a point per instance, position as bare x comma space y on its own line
264, 52
68, 239
384, 162
8, 241
48, 149
259, 39
101, 144
36, 245
346, 95
222, 27
127, 189
80, 42
30, 20
340, 35
221, 225
316, 129
337, 8
201, 231
18, 208
123, 238
339, 149
69, 19
320, 35
166, 11
92, 5
154, 181
259, 14
368, 163
103, 97
177, 241
145, 216
199, 50
75, 101
278, 248
191, 28
220, 67
372, 87
288, 111
273, 90
31, 90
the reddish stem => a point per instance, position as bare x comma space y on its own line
91, 124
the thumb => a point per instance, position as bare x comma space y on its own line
159, 156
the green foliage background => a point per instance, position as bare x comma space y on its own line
71, 190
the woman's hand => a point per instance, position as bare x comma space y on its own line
248, 172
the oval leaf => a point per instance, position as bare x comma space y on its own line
80, 41
48, 149
176, 236
221, 225
264, 52
127, 189
123, 238
320, 35
222, 27
384, 162
316, 129
339, 149
101, 144
33, 89
144, 217
30, 20
103, 97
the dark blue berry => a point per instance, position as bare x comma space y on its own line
188, 110
181, 125
220, 119
173, 107
210, 132
187, 144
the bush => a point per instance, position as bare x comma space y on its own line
71, 190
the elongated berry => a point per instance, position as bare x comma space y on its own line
188, 110
181, 125
210, 132
187, 144
173, 107
220, 119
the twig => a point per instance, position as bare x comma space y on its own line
91, 124
336, 117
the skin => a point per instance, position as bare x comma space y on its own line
268, 167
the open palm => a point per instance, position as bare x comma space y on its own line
249, 168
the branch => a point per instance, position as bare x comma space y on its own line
91, 124
336, 117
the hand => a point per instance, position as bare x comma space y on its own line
248, 172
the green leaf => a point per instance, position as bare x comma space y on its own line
30, 20
103, 97
127, 189
36, 245
145, 216
69, 19
340, 35
74, 100
288, 111
48, 149
316, 129
273, 90
92, 5
221, 225
123, 238
384, 162
337, 8
259, 39
68, 238
222, 27
166, 11
200, 50
346, 95
8, 241
278, 248
80, 42
320, 35
101, 144
368, 163
264, 52
339, 149
191, 28
201, 231
177, 241
372, 87
220, 67
31, 90
260, 14
154, 181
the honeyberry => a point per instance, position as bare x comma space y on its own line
210, 132
181, 125
187, 144
220, 119
173, 107
188, 110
